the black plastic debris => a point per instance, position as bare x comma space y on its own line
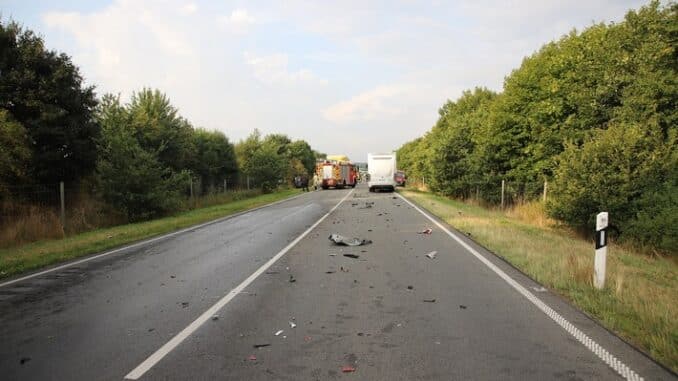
330, 272
410, 287
346, 241
354, 256
292, 279
215, 317
262, 345
463, 307
24, 360
429, 300
184, 304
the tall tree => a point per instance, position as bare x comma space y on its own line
159, 127
15, 152
215, 158
44, 91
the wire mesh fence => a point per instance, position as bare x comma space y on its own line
41, 211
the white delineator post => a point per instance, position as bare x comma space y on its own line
601, 250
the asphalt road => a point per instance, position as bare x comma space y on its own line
195, 305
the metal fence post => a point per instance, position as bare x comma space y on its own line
63, 204
503, 186
546, 187
190, 181
225, 185
248, 182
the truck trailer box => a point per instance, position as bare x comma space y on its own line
381, 169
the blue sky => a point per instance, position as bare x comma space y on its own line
350, 77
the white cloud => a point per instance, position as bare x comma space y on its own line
240, 21
382, 102
273, 70
189, 8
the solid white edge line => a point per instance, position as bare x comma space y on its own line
144, 242
594, 347
186, 332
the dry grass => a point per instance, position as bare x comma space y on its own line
640, 298
30, 223
532, 212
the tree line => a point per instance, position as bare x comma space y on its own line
139, 157
594, 113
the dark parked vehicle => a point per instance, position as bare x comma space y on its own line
400, 178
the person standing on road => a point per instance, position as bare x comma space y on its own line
315, 181
304, 182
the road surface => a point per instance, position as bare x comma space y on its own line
195, 305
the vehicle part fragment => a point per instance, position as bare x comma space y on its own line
346, 241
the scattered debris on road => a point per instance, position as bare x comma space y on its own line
429, 300
463, 307
215, 317
279, 332
332, 254
151, 329
292, 325
354, 256
539, 289
184, 304
173, 276
431, 255
292, 279
252, 358
330, 272
24, 360
344, 269
410, 287
347, 369
426, 231
271, 272
345, 241
307, 338
262, 345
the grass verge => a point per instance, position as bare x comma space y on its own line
640, 298
17, 260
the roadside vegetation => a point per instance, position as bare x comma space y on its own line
118, 161
594, 115
20, 259
640, 294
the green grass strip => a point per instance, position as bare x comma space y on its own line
32, 256
639, 301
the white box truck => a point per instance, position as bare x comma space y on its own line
381, 168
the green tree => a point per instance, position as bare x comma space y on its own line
132, 179
611, 172
300, 150
215, 158
159, 128
266, 167
15, 152
44, 92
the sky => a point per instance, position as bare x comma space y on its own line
349, 77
